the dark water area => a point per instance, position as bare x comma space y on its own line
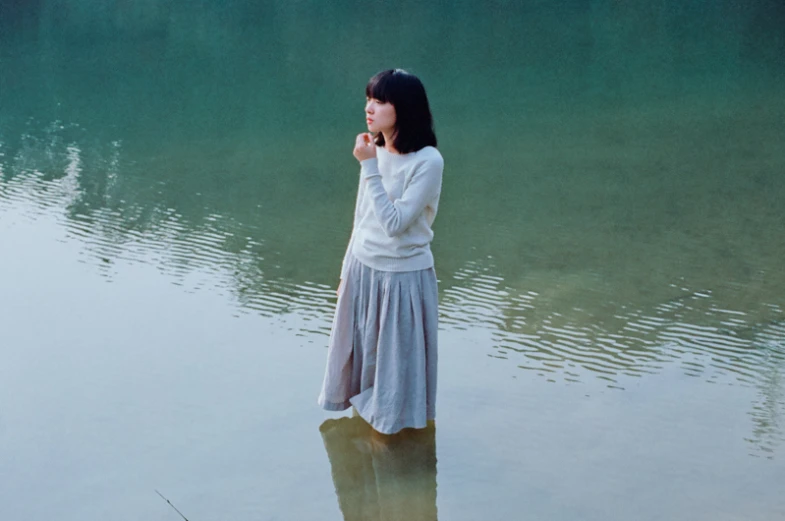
176, 189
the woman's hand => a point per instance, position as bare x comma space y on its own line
364, 147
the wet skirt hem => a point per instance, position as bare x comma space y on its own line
382, 354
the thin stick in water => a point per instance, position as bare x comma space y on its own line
171, 505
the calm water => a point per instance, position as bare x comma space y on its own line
176, 189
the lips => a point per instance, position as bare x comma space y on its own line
368, 120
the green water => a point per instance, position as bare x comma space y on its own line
176, 189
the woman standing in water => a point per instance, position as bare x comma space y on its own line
382, 353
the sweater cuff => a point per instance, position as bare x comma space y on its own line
369, 168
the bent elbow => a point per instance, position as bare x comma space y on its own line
393, 228
392, 232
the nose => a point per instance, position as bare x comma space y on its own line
369, 107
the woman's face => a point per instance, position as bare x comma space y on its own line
379, 116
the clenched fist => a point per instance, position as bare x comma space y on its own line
364, 147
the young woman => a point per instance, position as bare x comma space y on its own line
382, 352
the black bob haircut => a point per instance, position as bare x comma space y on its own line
413, 119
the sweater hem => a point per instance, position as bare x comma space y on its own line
417, 263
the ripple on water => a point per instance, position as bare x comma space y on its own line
552, 338
563, 327
550, 327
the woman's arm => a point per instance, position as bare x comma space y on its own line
396, 216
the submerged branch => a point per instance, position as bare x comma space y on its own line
171, 505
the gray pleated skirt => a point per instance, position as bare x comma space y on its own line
382, 353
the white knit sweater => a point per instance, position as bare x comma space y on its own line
396, 204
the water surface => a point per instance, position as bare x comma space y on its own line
176, 189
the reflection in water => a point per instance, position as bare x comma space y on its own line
560, 324
614, 209
768, 411
382, 478
634, 219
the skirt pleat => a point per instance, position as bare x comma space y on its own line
382, 355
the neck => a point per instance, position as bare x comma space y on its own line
388, 142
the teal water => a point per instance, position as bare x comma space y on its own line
176, 189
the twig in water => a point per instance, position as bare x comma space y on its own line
171, 505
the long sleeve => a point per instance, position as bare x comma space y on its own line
422, 188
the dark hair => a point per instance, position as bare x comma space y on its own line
413, 120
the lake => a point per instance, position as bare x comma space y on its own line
176, 195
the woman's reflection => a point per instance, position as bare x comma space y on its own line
381, 477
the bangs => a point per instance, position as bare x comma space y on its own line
380, 86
